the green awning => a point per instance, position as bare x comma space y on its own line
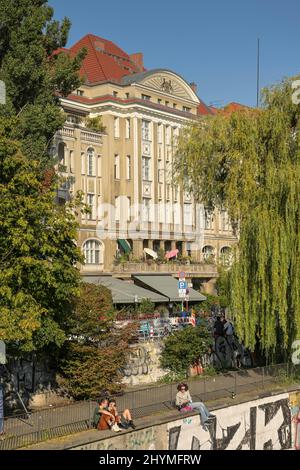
167, 286
125, 245
125, 292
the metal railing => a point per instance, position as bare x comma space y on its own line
23, 430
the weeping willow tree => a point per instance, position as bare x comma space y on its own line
249, 164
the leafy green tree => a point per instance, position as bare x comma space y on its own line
38, 252
184, 348
95, 124
249, 164
96, 351
36, 72
146, 307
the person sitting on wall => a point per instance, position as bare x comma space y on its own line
125, 420
218, 327
184, 403
103, 418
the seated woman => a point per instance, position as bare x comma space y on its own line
184, 403
125, 420
106, 419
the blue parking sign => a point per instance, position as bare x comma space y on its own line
182, 285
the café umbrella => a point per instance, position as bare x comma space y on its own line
171, 254
151, 253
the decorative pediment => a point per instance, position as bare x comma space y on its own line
170, 83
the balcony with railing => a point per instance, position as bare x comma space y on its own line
90, 136
202, 269
85, 134
67, 131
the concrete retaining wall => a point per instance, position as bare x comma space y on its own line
267, 423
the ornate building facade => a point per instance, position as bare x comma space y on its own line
123, 167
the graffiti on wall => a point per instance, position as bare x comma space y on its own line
265, 425
143, 364
295, 412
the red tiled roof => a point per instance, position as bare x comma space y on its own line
203, 110
232, 107
229, 108
104, 60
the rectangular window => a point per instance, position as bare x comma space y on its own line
128, 128
80, 92
128, 167
177, 214
225, 224
117, 167
160, 176
91, 163
176, 193
99, 166
146, 130
91, 206
168, 213
117, 208
160, 191
208, 219
168, 192
168, 135
72, 162
116, 127
186, 109
146, 97
115, 94
174, 105
83, 163
167, 103
159, 133
127, 95
188, 215
128, 209
146, 168
146, 209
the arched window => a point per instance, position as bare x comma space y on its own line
208, 252
93, 252
225, 255
91, 162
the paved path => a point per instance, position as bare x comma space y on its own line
59, 421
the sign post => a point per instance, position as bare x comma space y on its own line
182, 286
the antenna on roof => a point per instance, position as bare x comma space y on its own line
257, 73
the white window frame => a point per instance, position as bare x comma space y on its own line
117, 167
91, 162
146, 168
128, 128
117, 127
93, 252
146, 130
128, 167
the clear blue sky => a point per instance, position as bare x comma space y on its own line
211, 42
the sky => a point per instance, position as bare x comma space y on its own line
210, 42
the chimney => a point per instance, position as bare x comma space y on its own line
193, 87
138, 60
